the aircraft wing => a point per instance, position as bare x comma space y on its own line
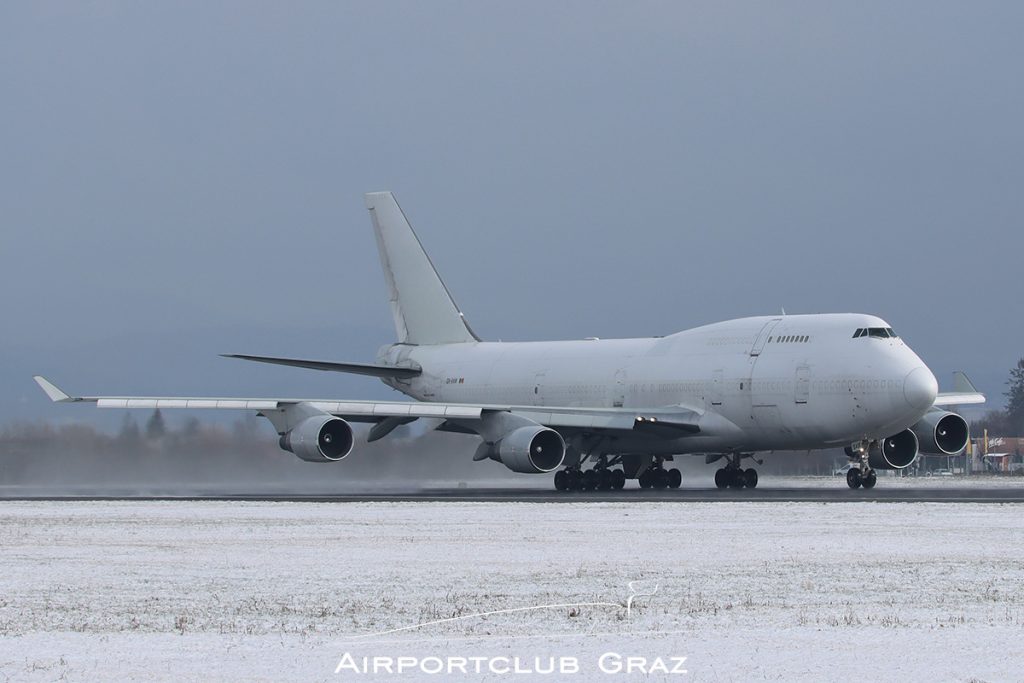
964, 392
672, 422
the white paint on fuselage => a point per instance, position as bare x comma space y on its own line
808, 383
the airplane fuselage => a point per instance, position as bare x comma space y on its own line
765, 383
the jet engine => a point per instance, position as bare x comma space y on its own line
895, 452
531, 450
942, 432
320, 438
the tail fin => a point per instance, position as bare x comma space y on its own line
423, 309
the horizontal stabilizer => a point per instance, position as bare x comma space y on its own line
328, 366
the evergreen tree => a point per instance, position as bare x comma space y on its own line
129, 429
156, 428
1015, 399
192, 428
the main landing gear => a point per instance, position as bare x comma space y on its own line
861, 473
597, 479
657, 477
734, 476
606, 476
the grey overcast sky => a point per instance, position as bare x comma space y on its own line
179, 180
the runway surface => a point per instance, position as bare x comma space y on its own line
839, 494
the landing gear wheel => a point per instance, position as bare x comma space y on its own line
589, 481
750, 478
645, 480
736, 479
721, 478
618, 479
560, 483
853, 479
604, 480
675, 478
869, 480
659, 478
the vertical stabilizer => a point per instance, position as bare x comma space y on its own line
423, 309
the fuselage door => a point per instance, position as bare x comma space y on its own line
716, 387
803, 384
619, 389
762, 337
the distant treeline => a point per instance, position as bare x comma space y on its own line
245, 454
205, 455
1008, 421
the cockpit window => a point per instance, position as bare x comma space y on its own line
878, 332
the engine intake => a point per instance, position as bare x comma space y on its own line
531, 450
321, 438
942, 432
895, 452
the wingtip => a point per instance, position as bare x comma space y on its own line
962, 383
52, 390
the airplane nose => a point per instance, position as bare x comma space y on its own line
920, 388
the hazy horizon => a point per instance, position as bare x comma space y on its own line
184, 180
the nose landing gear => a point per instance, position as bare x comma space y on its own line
861, 473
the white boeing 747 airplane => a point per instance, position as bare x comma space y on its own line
599, 412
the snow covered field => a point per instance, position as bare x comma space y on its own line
281, 591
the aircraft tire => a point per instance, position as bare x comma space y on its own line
675, 478
736, 480
618, 479
560, 484
870, 480
659, 479
750, 478
721, 478
590, 481
853, 479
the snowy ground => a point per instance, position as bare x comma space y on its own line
280, 591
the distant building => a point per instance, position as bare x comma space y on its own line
1003, 456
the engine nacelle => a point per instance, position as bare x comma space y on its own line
531, 450
320, 438
895, 452
942, 433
